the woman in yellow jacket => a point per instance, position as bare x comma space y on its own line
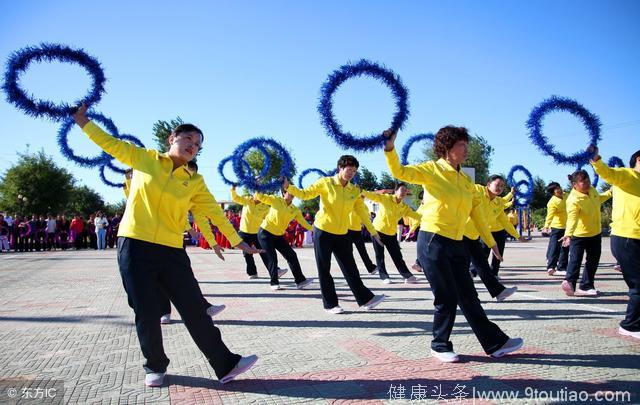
150, 254
392, 208
498, 231
583, 234
338, 198
625, 232
555, 225
450, 200
271, 237
253, 213
355, 233
471, 238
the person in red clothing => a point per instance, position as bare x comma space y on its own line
76, 228
290, 234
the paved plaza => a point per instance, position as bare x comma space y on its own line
65, 322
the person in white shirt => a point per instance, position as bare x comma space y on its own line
101, 224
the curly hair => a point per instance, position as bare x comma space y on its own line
447, 137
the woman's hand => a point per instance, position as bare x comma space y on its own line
390, 136
218, 251
248, 249
496, 253
566, 241
80, 116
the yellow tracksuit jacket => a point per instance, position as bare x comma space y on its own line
583, 213
391, 211
252, 214
280, 214
160, 196
336, 203
625, 215
449, 197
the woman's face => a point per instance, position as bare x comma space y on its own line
557, 192
582, 185
185, 145
347, 173
458, 152
496, 187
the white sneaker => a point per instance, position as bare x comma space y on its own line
617, 268
506, 293
165, 319
445, 357
282, 272
511, 346
560, 273
411, 280
154, 379
586, 293
304, 284
214, 310
373, 302
335, 310
551, 271
253, 277
386, 281
244, 364
625, 332
276, 287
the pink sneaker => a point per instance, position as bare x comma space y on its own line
567, 288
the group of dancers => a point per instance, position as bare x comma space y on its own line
454, 215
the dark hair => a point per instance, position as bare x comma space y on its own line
348, 160
193, 166
447, 137
182, 128
552, 187
634, 157
398, 185
578, 175
495, 177
421, 195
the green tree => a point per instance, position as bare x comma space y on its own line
256, 161
85, 201
312, 205
367, 180
37, 178
540, 197
115, 208
161, 132
479, 157
386, 181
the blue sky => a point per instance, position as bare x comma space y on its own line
249, 68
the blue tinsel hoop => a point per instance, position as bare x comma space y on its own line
555, 103
19, 62
404, 155
306, 172
522, 198
224, 178
339, 76
101, 159
129, 138
247, 179
107, 181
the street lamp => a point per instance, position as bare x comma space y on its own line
22, 200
